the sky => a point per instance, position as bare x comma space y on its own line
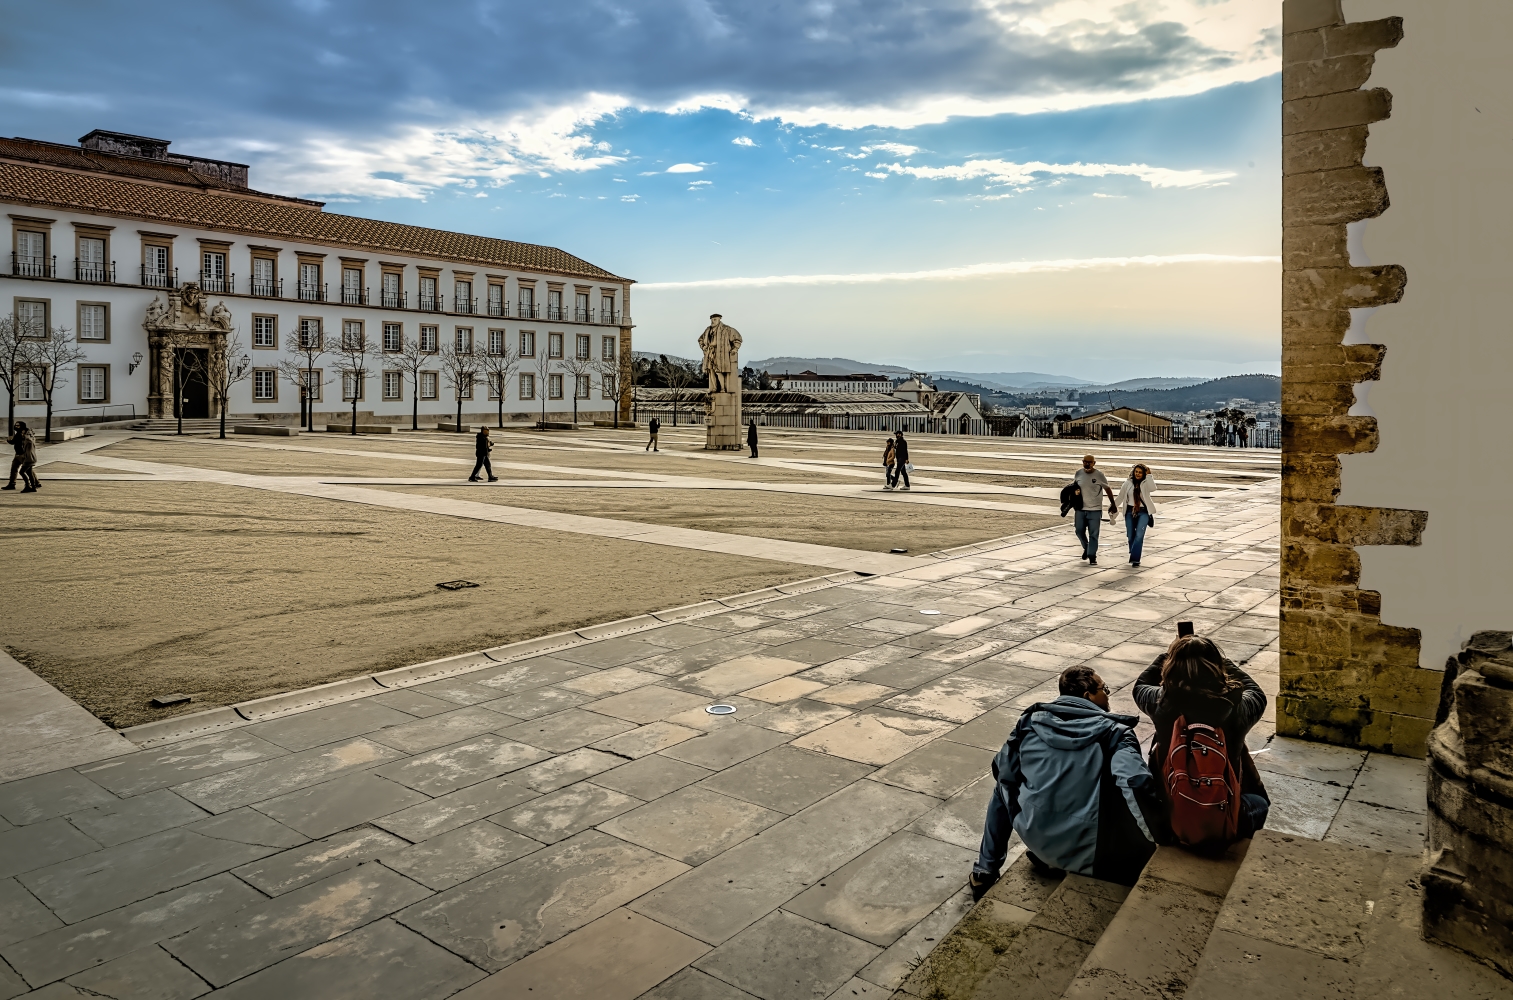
1075, 187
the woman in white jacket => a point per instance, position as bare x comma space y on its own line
1137, 498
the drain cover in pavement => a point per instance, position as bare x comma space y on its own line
457, 585
721, 709
929, 612
168, 700
898, 550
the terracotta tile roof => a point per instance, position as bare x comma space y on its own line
205, 206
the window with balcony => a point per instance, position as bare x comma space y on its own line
265, 277
264, 331
94, 384
394, 385
31, 317
310, 287
496, 300
554, 304
430, 339
94, 321
554, 345
462, 340
527, 386
428, 382
213, 272
527, 302
309, 332
394, 337
393, 298
462, 296
265, 385
30, 259
606, 309
428, 299
155, 266
527, 343
554, 386
351, 287
496, 342
351, 335
580, 309
607, 348
90, 265
581, 389
584, 347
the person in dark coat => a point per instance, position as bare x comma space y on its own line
651, 442
751, 438
481, 447
1194, 679
889, 478
900, 459
25, 461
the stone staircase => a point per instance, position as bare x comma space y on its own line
168, 425
1274, 919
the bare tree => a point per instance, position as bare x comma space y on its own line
46, 357
543, 380
15, 333
499, 368
413, 356
354, 353
678, 377
610, 375
580, 368
226, 371
461, 369
305, 347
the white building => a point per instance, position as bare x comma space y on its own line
117, 234
807, 381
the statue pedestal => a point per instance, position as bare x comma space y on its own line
722, 430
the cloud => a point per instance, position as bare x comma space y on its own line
630, 197
964, 272
742, 140
695, 185
685, 168
1020, 174
892, 148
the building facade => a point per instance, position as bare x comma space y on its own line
168, 270
807, 381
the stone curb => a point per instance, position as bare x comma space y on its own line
625, 626
407, 676
687, 611
183, 727
273, 706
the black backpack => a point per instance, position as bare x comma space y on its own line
1071, 498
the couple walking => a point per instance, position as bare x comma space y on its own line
896, 461
1137, 499
25, 443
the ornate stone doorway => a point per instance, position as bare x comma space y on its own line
187, 342
194, 387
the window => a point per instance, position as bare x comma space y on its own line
264, 331
264, 276
585, 347
31, 254
310, 289
31, 315
527, 343
94, 321
462, 340
527, 386
465, 387
351, 287
394, 337
91, 263
392, 298
155, 265
213, 271
581, 389
428, 292
496, 300
607, 387
462, 296
29, 386
265, 385
580, 311
554, 304
554, 386
427, 385
351, 335
394, 385
313, 378
554, 345
606, 308
93, 383
527, 302
352, 386
309, 332
607, 348
429, 338
496, 342
495, 381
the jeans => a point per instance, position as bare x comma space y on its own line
995, 836
901, 471
1253, 810
1088, 523
888, 477
652, 444
482, 463
1134, 527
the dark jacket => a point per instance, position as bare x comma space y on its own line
900, 451
1076, 790
1071, 498
1236, 713
655, 425
481, 444
751, 434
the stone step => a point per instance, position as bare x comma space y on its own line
1152, 946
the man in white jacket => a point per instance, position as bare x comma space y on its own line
1137, 498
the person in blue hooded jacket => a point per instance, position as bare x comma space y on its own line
1072, 783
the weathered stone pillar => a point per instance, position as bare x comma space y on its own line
1468, 891
1345, 676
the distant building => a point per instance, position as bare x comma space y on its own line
807, 381
1121, 424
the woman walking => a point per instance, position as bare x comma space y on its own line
25, 444
1137, 498
889, 477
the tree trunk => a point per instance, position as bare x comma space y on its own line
415, 407
354, 414
501, 404
47, 432
459, 411
223, 416
10, 416
178, 391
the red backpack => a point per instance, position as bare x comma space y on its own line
1201, 786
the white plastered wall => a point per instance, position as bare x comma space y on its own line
1446, 444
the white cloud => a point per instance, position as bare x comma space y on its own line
695, 185
685, 168
630, 197
481, 194
966, 271
891, 148
742, 140
1020, 174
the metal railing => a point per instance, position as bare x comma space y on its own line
130, 411
312, 293
527, 310
268, 288
428, 303
220, 284
354, 296
466, 307
498, 308
393, 300
556, 313
153, 278
97, 271
25, 265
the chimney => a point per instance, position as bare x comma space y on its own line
123, 144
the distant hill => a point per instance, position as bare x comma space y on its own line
1202, 396
1015, 380
824, 366
1131, 384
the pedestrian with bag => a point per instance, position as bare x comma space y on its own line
1089, 518
654, 426
751, 438
890, 478
1202, 706
24, 444
481, 447
901, 466
1137, 498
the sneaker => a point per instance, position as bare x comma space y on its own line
8, 486
1084, 553
1135, 563
29, 489
906, 488
1092, 560
981, 882
473, 479
495, 479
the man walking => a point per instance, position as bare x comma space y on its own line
481, 447
654, 426
1090, 518
751, 438
900, 459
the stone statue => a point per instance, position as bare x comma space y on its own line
220, 316
721, 345
157, 312
193, 298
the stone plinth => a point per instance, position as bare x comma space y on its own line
723, 430
1468, 890
274, 430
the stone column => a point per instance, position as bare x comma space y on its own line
1468, 890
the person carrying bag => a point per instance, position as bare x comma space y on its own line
1137, 498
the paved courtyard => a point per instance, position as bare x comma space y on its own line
562, 817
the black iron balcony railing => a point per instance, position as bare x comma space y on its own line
25, 265
94, 270
312, 293
429, 303
155, 278
498, 308
556, 313
268, 288
609, 317
528, 310
393, 300
354, 296
583, 315
218, 284
465, 306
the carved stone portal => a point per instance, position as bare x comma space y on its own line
182, 327
721, 345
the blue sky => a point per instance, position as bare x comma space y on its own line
1069, 186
